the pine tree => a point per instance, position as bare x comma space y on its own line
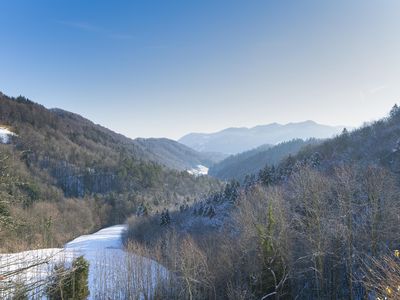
394, 111
165, 218
266, 175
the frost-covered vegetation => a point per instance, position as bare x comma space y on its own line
91, 266
322, 223
245, 164
319, 225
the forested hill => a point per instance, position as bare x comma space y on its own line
55, 155
160, 150
174, 154
250, 162
374, 144
322, 224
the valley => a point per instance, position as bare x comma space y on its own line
282, 209
199, 150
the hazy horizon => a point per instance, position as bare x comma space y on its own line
158, 69
203, 132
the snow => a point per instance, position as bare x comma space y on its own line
5, 134
106, 238
112, 271
199, 170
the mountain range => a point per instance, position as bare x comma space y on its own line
236, 140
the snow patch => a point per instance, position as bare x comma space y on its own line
199, 170
5, 135
112, 271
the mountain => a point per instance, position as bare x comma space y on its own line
250, 162
173, 154
337, 200
162, 151
236, 140
374, 144
51, 160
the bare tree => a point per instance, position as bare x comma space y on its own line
309, 193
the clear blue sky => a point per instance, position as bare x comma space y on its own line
165, 68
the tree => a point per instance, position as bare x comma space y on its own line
263, 243
266, 175
346, 189
309, 193
394, 112
165, 218
382, 210
231, 191
70, 283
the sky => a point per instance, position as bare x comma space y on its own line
166, 68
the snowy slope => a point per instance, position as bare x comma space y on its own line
5, 135
113, 272
199, 170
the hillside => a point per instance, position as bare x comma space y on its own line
173, 154
55, 157
162, 151
250, 162
236, 140
325, 218
374, 144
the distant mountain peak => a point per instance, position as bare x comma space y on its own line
308, 122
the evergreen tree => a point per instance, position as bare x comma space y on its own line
266, 175
231, 192
70, 284
165, 218
394, 112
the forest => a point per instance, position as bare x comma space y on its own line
62, 176
322, 224
222, 150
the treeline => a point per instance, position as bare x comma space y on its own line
321, 225
250, 162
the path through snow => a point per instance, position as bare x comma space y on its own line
113, 273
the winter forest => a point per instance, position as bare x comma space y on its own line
199, 150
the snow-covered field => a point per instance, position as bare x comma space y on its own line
5, 134
199, 170
113, 273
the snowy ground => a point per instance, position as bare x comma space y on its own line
5, 134
113, 273
199, 170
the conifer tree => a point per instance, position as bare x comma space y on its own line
165, 218
70, 284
